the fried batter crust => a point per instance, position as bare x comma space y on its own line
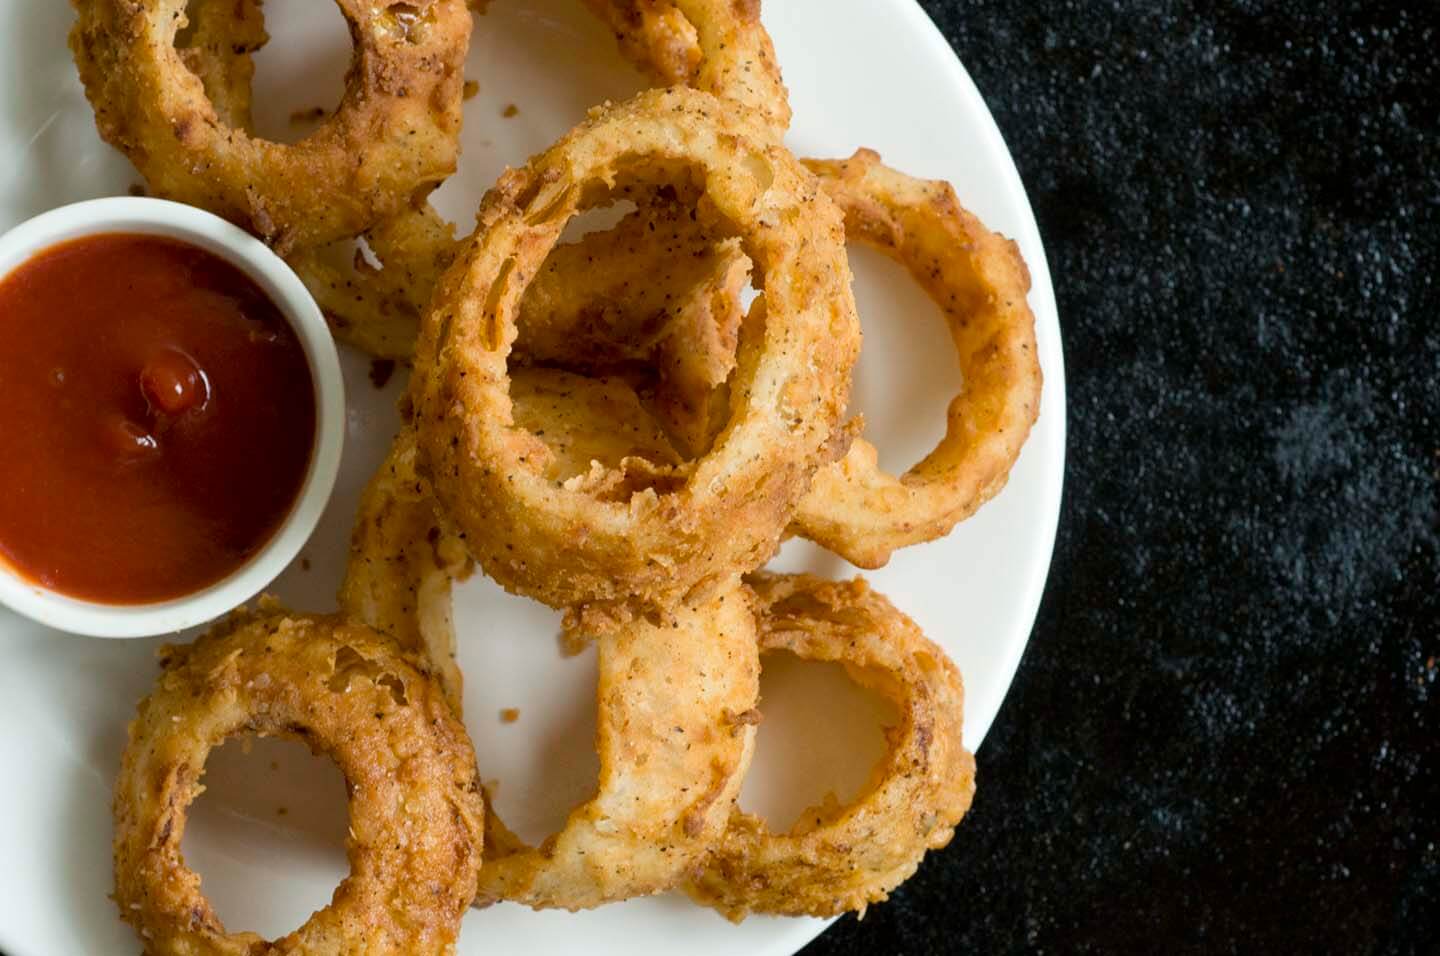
395, 132
416, 812
841, 858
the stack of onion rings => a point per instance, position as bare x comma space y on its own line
604, 426
979, 282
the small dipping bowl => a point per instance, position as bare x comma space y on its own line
186, 224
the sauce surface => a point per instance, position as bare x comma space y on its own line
157, 418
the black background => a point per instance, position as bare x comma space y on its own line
1225, 733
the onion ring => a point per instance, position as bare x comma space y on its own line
841, 858
395, 133
980, 282
415, 805
564, 547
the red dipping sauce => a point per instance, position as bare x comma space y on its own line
157, 419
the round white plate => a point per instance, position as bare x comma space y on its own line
267, 837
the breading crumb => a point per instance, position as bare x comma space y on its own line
380, 372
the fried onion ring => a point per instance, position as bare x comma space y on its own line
726, 512
416, 812
395, 133
980, 282
841, 858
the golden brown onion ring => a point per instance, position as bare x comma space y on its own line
657, 544
841, 858
416, 812
980, 282
395, 133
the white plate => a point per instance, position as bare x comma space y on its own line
860, 72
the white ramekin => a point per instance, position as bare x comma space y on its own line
188, 224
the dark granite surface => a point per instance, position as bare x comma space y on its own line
1225, 736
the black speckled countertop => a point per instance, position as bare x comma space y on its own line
1225, 735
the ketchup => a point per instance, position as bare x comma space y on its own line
157, 419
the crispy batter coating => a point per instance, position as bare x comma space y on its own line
672, 758
672, 539
403, 559
376, 305
840, 858
718, 46
404, 554
595, 429
652, 299
217, 46
395, 132
980, 282
416, 812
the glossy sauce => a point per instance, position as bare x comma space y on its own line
157, 418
